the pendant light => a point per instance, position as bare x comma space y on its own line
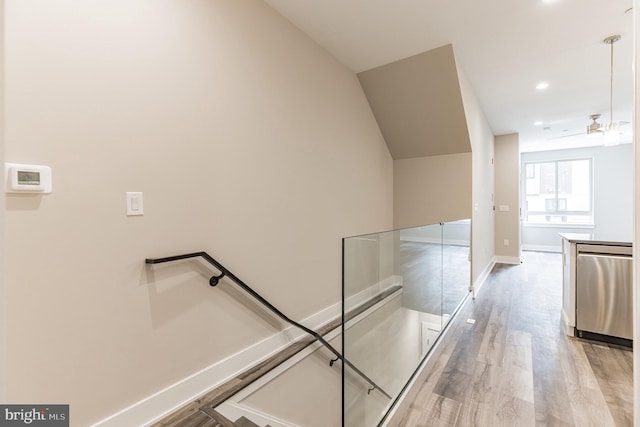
611, 136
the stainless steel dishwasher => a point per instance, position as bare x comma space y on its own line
604, 293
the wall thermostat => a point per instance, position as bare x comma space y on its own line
27, 178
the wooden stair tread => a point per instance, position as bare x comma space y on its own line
244, 422
210, 400
197, 419
218, 417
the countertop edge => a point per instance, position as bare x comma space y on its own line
591, 240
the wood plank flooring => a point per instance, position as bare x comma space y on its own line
425, 288
516, 367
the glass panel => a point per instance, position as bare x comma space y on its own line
456, 265
421, 272
396, 301
361, 268
368, 272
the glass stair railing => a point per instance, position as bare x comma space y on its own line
206, 405
428, 269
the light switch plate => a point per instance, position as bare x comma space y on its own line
135, 204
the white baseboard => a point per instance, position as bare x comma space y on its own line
542, 248
173, 397
162, 403
515, 260
568, 326
482, 278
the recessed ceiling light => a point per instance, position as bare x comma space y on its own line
548, 1
538, 123
542, 85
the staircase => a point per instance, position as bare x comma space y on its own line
212, 418
201, 412
243, 422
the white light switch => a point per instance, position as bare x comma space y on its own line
504, 208
135, 205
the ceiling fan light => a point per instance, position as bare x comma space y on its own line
594, 135
594, 131
611, 137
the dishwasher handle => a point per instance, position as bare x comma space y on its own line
605, 250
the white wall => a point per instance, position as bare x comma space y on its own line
612, 196
248, 140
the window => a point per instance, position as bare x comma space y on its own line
559, 192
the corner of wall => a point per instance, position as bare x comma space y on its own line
483, 179
2, 209
507, 196
636, 237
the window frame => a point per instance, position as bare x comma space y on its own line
528, 166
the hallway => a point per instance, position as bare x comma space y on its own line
516, 367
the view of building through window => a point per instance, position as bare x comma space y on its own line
558, 192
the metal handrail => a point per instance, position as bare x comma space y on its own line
213, 281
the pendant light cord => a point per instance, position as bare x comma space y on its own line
611, 88
610, 41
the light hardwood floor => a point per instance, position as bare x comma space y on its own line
426, 288
516, 367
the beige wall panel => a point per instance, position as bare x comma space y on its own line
248, 140
418, 105
430, 190
507, 163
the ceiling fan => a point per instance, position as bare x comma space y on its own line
609, 131
594, 128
